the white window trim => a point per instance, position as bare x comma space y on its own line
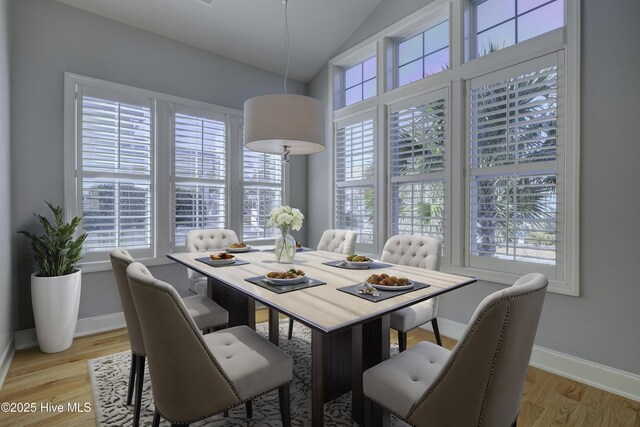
566, 39
162, 162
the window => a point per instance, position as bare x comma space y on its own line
424, 54
513, 180
354, 200
143, 168
502, 23
262, 191
484, 153
116, 168
200, 159
417, 141
360, 82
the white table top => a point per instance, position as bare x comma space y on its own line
323, 307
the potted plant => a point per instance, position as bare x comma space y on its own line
55, 287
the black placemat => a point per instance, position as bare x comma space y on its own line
339, 264
207, 261
304, 249
353, 290
243, 252
283, 289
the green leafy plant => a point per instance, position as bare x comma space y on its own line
56, 252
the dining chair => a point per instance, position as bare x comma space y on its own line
206, 240
195, 376
479, 382
337, 241
414, 251
205, 313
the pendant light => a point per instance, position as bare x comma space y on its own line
284, 123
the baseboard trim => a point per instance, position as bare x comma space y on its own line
88, 326
609, 379
6, 359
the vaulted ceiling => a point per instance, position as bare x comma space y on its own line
250, 31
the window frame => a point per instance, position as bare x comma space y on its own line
162, 175
564, 41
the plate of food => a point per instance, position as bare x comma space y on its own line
358, 261
288, 277
384, 282
221, 258
238, 247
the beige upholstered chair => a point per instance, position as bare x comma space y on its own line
206, 314
414, 251
195, 376
480, 381
338, 241
206, 241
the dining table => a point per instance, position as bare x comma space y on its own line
349, 331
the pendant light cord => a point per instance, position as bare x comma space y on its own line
287, 46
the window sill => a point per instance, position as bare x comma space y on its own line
555, 286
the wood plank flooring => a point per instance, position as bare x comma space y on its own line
548, 400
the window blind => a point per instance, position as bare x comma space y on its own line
262, 191
417, 149
354, 162
514, 180
200, 173
115, 173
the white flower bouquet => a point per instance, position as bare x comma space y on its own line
285, 217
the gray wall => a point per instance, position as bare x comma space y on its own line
50, 38
600, 325
7, 311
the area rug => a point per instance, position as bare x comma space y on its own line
109, 377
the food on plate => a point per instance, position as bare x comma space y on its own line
298, 245
358, 258
221, 256
240, 245
289, 274
385, 280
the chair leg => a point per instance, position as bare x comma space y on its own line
139, 384
402, 341
248, 406
132, 378
290, 328
285, 407
156, 419
436, 331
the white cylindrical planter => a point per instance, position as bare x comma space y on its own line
55, 303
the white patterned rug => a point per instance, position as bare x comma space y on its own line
109, 377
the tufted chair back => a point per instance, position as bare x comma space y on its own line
412, 250
208, 240
481, 382
338, 241
187, 381
120, 260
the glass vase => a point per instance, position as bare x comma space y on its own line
285, 246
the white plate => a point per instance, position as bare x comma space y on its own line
284, 281
221, 261
394, 288
358, 264
238, 250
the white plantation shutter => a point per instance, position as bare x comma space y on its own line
200, 162
514, 180
417, 154
355, 160
114, 174
262, 191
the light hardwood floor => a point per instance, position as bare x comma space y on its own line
549, 400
